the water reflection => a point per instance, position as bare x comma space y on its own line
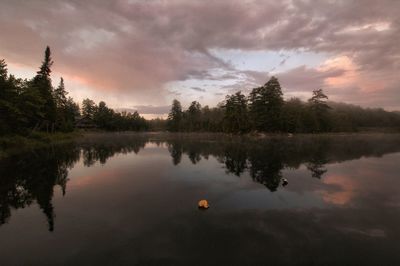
265, 159
32, 177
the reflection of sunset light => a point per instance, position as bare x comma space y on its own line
346, 186
82, 181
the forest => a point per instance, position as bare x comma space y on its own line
266, 110
35, 105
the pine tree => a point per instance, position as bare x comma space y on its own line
319, 109
66, 109
175, 116
45, 71
266, 105
60, 95
42, 83
3, 70
3, 97
4, 86
319, 100
236, 113
3, 79
193, 116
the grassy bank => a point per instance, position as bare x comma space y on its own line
14, 144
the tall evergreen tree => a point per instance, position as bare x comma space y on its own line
67, 109
266, 105
45, 69
60, 95
175, 116
193, 116
3, 79
42, 83
3, 97
320, 111
3, 70
236, 113
319, 100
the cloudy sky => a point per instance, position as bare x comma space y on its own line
142, 54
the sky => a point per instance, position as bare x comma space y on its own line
140, 55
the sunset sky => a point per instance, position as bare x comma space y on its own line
142, 54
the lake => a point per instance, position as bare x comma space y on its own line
131, 199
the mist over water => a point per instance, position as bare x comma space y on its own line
127, 199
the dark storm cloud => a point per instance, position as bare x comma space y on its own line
133, 48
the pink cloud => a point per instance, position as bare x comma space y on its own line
132, 49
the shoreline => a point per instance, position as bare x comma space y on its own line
10, 145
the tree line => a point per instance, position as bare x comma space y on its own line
106, 118
265, 110
35, 105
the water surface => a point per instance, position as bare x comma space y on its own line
131, 199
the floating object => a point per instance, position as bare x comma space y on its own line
284, 182
290, 135
203, 204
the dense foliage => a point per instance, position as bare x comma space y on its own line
35, 105
265, 110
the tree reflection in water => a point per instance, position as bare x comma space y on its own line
265, 159
31, 177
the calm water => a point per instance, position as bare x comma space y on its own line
132, 200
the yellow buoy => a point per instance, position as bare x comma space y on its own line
203, 204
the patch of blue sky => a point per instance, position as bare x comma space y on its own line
220, 82
212, 94
270, 61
